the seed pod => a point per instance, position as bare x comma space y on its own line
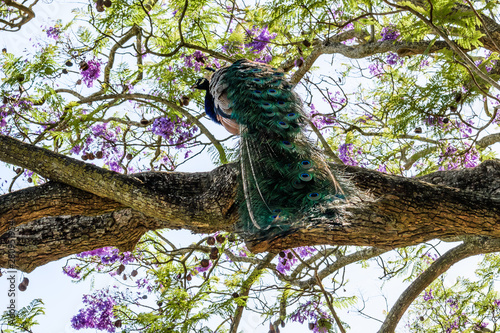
69, 63
18, 170
210, 241
65, 71
418, 130
289, 255
205, 263
5, 100
231, 238
306, 43
124, 276
91, 156
144, 296
311, 326
185, 100
4, 50
458, 97
78, 82
446, 120
85, 157
214, 256
107, 3
120, 269
22, 287
299, 62
189, 278
235, 295
129, 156
134, 273
282, 254
30, 180
159, 303
83, 65
144, 121
118, 323
220, 239
99, 154
453, 108
20, 78
26, 281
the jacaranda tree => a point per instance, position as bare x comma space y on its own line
403, 99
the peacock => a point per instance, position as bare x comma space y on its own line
284, 178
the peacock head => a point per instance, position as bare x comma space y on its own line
201, 84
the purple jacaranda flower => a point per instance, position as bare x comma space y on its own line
54, 32
389, 33
91, 72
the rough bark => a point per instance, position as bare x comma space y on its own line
399, 211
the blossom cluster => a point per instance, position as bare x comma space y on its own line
347, 153
389, 33
312, 312
53, 32
91, 72
98, 312
175, 130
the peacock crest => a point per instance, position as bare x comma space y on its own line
284, 178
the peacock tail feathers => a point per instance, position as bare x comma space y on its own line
284, 177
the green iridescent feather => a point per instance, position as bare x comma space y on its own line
284, 178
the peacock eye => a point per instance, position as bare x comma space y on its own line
257, 80
313, 196
305, 177
278, 74
283, 124
281, 102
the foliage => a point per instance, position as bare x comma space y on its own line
112, 84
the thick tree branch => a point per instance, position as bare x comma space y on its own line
403, 211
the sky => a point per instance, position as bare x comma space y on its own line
63, 298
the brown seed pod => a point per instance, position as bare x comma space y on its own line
120, 269
107, 3
83, 65
185, 100
453, 108
220, 239
22, 287
118, 323
235, 295
69, 63
210, 241
306, 43
189, 278
4, 50
289, 255
124, 276
446, 120
418, 130
144, 121
214, 256
231, 238
65, 71
129, 156
99, 154
30, 180
299, 62
26, 281
311, 326
282, 254
5, 100
144, 296
205, 263
134, 273
18, 170
91, 156
78, 82
85, 157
